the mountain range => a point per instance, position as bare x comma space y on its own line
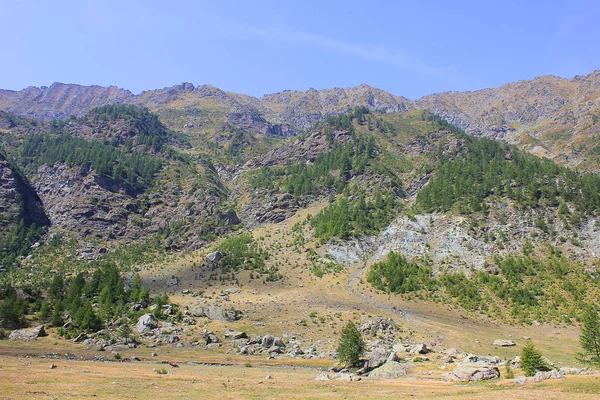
547, 116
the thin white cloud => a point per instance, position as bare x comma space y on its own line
368, 52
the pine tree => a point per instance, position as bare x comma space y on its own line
589, 337
532, 360
351, 346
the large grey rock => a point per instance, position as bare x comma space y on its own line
146, 323
235, 335
467, 373
477, 360
503, 343
214, 257
389, 370
216, 313
211, 338
267, 341
27, 335
420, 348
377, 358
278, 342
543, 375
323, 377
521, 380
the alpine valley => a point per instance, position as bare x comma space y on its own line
192, 227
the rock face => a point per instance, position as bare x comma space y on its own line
539, 107
27, 335
61, 100
18, 200
511, 112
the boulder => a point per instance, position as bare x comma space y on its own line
172, 282
377, 358
216, 313
421, 348
239, 343
27, 335
389, 370
543, 375
234, 335
278, 342
211, 338
503, 343
146, 323
521, 380
467, 373
572, 370
214, 257
267, 341
81, 338
323, 377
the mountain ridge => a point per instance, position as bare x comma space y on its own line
547, 116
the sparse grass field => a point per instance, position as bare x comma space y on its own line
28, 378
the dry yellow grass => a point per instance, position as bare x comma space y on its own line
27, 378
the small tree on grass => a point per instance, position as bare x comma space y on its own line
351, 346
532, 360
589, 337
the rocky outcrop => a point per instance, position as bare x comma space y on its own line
18, 200
61, 100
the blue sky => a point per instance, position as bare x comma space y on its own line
257, 47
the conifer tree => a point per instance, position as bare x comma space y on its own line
589, 337
351, 346
532, 360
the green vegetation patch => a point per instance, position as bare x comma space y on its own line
547, 288
482, 168
132, 167
347, 218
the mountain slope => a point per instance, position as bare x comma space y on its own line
548, 116
22, 215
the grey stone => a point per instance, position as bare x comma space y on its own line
377, 358
467, 373
543, 375
503, 343
27, 335
521, 380
420, 348
389, 370
267, 341
235, 335
323, 377
146, 323
211, 338
214, 257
